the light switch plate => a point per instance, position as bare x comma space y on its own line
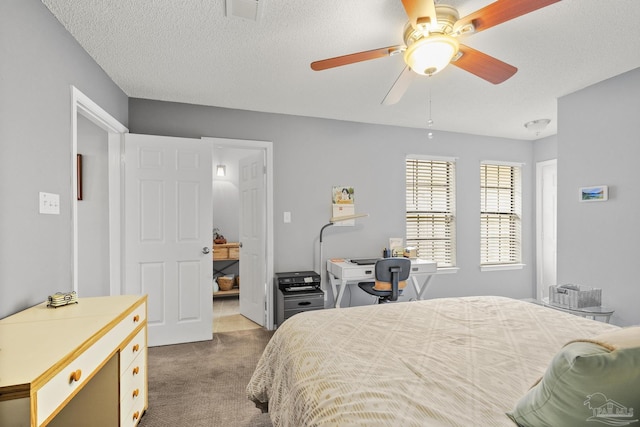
287, 217
49, 203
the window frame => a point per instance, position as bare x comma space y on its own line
439, 224
498, 253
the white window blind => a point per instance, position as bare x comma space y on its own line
430, 214
500, 212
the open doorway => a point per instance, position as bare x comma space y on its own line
93, 210
89, 120
237, 216
546, 224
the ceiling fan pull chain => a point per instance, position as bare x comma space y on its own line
430, 121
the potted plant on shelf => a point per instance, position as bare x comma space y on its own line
218, 238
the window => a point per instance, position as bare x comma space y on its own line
500, 212
430, 211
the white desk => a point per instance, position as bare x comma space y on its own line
343, 273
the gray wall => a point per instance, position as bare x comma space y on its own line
545, 149
313, 155
39, 61
598, 145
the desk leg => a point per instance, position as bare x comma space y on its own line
416, 286
343, 284
605, 317
420, 290
334, 288
337, 293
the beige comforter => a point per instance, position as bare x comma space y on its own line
442, 362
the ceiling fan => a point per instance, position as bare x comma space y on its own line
431, 42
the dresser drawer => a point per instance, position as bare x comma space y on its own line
132, 418
133, 383
137, 370
74, 375
136, 346
136, 317
132, 395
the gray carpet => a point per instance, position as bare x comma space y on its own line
203, 383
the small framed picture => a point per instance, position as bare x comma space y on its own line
595, 193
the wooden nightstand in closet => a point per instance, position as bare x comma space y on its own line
225, 255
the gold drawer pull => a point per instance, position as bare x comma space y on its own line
75, 375
136, 392
136, 318
136, 370
136, 415
136, 347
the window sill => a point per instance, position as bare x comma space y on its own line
500, 267
447, 270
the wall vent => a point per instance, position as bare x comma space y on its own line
250, 10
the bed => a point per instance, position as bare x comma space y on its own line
441, 362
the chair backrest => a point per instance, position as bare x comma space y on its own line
391, 274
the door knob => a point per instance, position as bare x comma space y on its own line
205, 250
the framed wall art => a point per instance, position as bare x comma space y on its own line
595, 193
79, 176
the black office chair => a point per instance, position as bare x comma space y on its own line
390, 278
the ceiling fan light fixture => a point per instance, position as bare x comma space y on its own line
429, 55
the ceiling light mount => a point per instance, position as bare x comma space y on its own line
537, 126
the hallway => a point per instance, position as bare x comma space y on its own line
227, 317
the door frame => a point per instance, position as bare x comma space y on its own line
540, 166
267, 147
82, 104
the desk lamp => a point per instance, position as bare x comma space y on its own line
332, 221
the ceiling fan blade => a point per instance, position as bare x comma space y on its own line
339, 61
399, 87
420, 12
500, 11
484, 66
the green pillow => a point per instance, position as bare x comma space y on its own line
590, 382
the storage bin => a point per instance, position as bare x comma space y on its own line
220, 252
226, 251
575, 296
226, 282
234, 252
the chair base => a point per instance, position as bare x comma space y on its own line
383, 296
386, 300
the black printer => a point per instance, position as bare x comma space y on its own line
298, 281
297, 291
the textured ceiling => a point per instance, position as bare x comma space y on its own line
190, 51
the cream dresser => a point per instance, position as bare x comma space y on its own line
78, 365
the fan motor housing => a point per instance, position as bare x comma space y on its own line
447, 17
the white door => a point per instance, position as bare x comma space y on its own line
252, 237
168, 223
547, 212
